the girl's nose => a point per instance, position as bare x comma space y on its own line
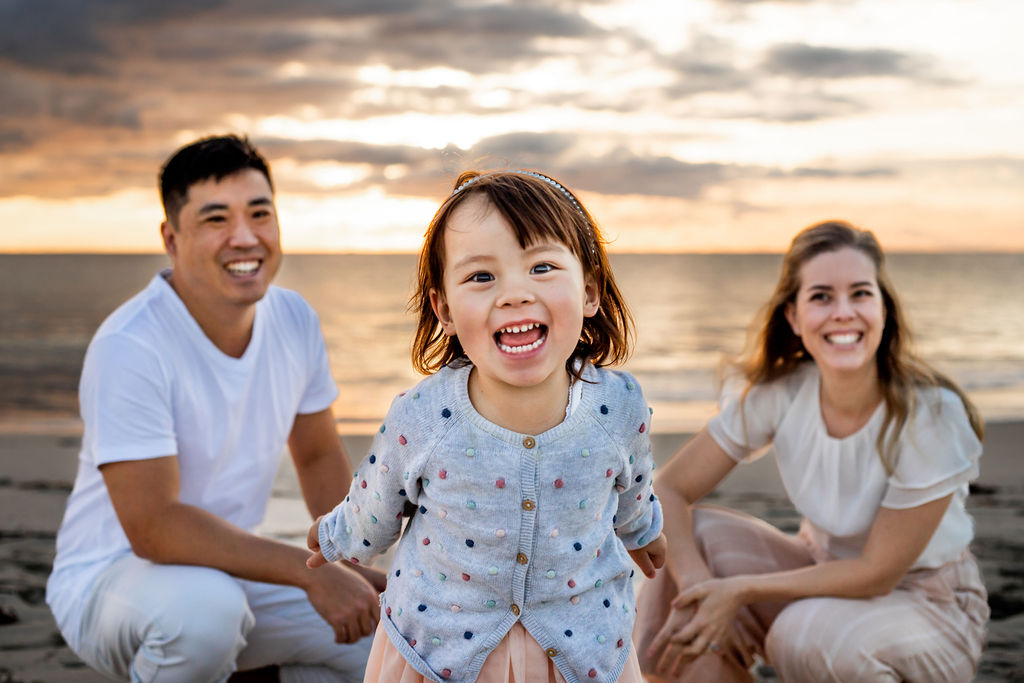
515, 293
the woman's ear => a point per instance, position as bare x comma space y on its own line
591, 297
442, 311
790, 312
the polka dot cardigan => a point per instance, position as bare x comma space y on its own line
505, 526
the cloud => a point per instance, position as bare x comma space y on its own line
815, 61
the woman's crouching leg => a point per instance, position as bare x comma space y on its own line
731, 543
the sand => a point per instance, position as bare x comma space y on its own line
37, 469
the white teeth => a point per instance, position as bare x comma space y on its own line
242, 267
847, 338
521, 349
515, 329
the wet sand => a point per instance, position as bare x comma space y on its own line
37, 470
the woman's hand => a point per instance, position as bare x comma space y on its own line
701, 621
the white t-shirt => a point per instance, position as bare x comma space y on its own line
153, 385
839, 484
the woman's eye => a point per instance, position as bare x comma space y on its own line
542, 268
818, 297
861, 293
480, 277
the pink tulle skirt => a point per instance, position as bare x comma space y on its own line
517, 659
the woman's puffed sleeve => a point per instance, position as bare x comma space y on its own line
938, 452
746, 423
369, 520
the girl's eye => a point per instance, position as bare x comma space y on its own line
542, 268
480, 277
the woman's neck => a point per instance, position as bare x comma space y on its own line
848, 400
527, 410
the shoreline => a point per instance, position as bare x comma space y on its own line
37, 468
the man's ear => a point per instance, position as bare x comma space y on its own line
790, 311
439, 303
591, 297
168, 235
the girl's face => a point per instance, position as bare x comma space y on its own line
838, 313
518, 312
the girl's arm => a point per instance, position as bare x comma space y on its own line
897, 538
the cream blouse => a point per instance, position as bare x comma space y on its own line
839, 484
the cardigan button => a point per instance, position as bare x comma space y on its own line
551, 652
515, 609
521, 558
529, 504
529, 442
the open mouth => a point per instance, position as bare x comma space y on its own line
521, 338
844, 338
243, 268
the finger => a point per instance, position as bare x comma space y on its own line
643, 561
315, 560
658, 560
685, 598
661, 639
365, 624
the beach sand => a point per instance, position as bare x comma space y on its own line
37, 469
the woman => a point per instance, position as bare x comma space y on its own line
875, 449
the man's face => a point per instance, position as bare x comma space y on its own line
226, 246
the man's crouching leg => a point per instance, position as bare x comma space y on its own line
149, 622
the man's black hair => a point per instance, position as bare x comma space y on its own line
213, 157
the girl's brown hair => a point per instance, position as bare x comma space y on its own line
537, 208
777, 351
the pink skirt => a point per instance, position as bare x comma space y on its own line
518, 658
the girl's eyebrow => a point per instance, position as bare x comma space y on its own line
471, 260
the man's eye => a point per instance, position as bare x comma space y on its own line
215, 219
262, 213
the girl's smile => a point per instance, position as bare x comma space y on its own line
517, 310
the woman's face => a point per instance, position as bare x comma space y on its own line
838, 312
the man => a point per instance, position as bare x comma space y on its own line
188, 394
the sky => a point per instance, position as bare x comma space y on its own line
683, 125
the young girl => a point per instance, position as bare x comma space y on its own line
875, 449
528, 466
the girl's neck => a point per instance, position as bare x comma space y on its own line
848, 400
527, 410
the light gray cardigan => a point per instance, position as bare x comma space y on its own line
507, 526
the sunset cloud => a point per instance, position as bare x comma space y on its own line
703, 104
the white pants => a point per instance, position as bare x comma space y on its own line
149, 622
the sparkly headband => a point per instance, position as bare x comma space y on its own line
550, 181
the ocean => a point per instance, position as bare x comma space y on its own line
691, 310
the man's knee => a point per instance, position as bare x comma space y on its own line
197, 636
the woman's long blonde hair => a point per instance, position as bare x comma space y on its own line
776, 351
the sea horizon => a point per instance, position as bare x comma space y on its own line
692, 311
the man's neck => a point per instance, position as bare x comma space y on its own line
228, 327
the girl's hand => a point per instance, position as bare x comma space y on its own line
317, 559
651, 556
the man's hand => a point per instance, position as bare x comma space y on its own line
346, 601
651, 556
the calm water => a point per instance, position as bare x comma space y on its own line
966, 310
